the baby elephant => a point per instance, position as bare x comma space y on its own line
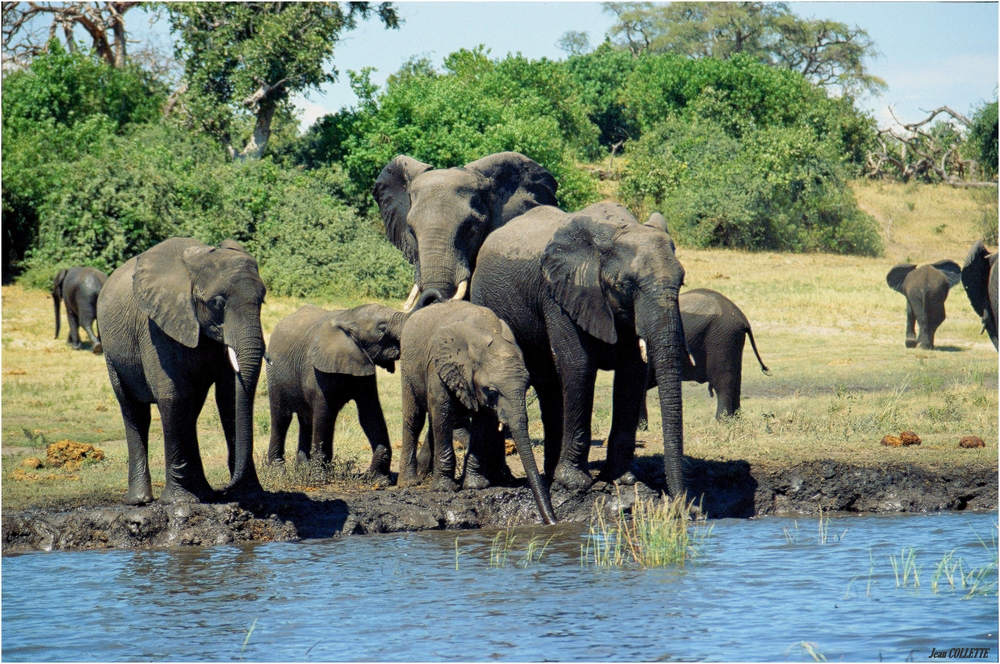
79, 287
460, 362
319, 360
926, 288
715, 331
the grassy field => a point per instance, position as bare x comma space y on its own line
828, 326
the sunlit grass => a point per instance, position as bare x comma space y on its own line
502, 548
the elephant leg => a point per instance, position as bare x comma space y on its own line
911, 320
305, 436
136, 416
550, 405
225, 400
281, 419
627, 397
324, 421
578, 374
185, 476
74, 325
88, 327
414, 415
643, 413
425, 456
485, 462
443, 425
372, 422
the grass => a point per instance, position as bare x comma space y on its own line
502, 547
828, 326
654, 534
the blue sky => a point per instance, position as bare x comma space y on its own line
932, 53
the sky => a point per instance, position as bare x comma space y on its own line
931, 53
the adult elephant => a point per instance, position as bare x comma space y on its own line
439, 218
715, 331
79, 287
979, 277
584, 291
926, 288
175, 320
317, 361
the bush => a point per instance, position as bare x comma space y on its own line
983, 138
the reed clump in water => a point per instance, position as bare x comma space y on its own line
503, 545
657, 533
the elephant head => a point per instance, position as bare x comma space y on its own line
200, 294
482, 366
57, 293
979, 277
614, 276
355, 341
926, 289
439, 218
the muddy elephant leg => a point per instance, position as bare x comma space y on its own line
372, 422
425, 456
911, 321
550, 406
88, 327
727, 391
305, 436
578, 374
324, 422
443, 425
136, 416
414, 416
485, 462
628, 396
185, 476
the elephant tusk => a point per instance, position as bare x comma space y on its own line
462, 287
232, 358
642, 350
410, 301
500, 426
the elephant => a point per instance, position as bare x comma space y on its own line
594, 290
439, 218
979, 277
926, 288
715, 331
79, 287
175, 320
317, 361
459, 361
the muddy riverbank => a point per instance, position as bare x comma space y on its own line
729, 489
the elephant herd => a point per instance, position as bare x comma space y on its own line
509, 291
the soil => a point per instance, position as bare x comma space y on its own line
728, 489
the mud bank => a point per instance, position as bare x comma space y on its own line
729, 489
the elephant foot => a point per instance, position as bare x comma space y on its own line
174, 495
425, 459
249, 490
573, 478
625, 479
911, 343
98, 348
502, 476
407, 478
475, 481
138, 497
275, 461
444, 484
76, 345
377, 477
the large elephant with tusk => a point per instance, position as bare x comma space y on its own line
439, 218
174, 321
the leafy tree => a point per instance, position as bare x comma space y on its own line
574, 42
600, 77
245, 59
983, 137
826, 52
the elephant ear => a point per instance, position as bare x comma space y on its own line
517, 184
657, 221
951, 271
572, 264
334, 350
392, 194
975, 275
453, 363
232, 244
897, 274
162, 288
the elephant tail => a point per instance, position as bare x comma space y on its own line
57, 288
753, 344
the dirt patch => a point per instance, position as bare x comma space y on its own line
729, 489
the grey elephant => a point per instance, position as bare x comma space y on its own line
459, 361
926, 288
584, 291
439, 218
979, 277
175, 320
715, 331
79, 287
317, 361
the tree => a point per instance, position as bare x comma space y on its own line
103, 21
244, 60
574, 42
983, 137
827, 53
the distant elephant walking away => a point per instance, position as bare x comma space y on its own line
439, 218
460, 362
926, 288
979, 277
317, 361
175, 320
79, 287
715, 331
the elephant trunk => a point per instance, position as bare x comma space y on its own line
245, 349
519, 430
446, 271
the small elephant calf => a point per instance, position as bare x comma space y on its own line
79, 287
460, 362
926, 288
319, 360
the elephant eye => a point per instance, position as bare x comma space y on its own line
218, 303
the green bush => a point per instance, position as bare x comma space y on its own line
983, 138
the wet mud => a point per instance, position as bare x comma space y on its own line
726, 489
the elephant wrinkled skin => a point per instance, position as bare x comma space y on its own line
175, 320
926, 288
979, 277
584, 291
79, 287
